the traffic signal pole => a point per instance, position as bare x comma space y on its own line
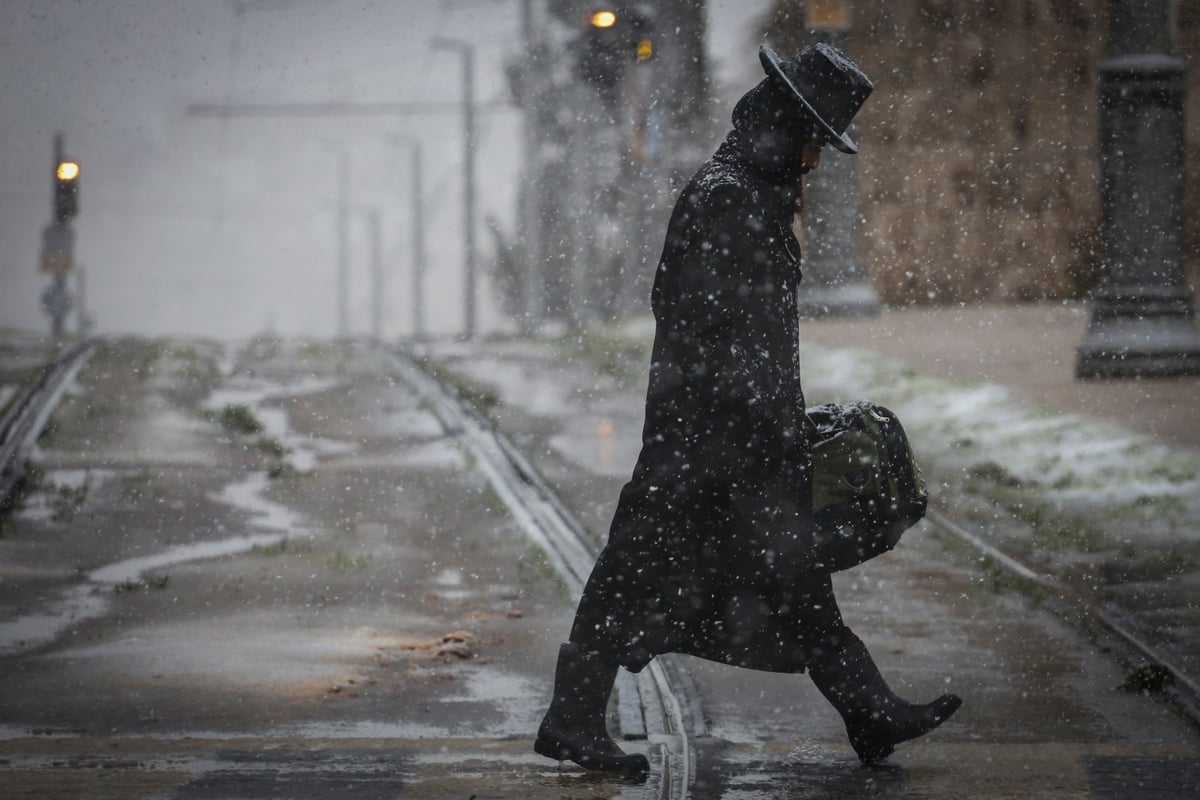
58, 238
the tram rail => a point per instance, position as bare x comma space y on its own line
670, 706
28, 414
661, 704
1150, 663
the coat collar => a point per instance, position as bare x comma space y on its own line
777, 181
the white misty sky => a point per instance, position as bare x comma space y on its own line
195, 225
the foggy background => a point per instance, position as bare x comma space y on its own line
227, 227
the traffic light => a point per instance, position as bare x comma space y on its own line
66, 190
613, 38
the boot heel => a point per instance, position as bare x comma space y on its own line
573, 728
550, 749
876, 719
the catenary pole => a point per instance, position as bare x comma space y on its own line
467, 52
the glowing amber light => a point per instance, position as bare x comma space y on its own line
645, 50
604, 19
67, 171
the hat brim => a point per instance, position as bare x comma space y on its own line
772, 66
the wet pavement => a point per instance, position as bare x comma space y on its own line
338, 606
1093, 484
194, 610
1044, 714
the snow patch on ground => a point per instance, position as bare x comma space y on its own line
303, 452
514, 696
132, 569
1075, 465
62, 492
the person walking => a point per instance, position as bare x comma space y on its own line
712, 550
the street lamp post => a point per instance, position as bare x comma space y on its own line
343, 237
418, 237
467, 51
375, 227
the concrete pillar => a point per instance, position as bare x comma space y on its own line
835, 279
1143, 319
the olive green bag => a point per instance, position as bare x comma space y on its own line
867, 487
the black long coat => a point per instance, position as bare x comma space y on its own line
710, 546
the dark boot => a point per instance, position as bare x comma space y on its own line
876, 720
574, 727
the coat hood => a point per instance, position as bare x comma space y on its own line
768, 133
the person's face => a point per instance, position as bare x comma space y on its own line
810, 155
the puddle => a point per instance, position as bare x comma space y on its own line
270, 650
600, 445
399, 729
449, 577
538, 393
515, 697
73, 605
90, 598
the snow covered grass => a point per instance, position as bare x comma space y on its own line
1078, 483
1063, 489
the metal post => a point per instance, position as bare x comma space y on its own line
835, 279
83, 318
344, 245
417, 233
1143, 319
587, 119
469, 179
467, 51
58, 238
418, 243
377, 289
343, 237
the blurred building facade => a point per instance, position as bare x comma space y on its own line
978, 174
979, 168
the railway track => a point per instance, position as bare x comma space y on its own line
660, 705
1149, 664
751, 737
661, 709
669, 703
27, 416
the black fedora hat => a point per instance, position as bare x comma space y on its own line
830, 87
